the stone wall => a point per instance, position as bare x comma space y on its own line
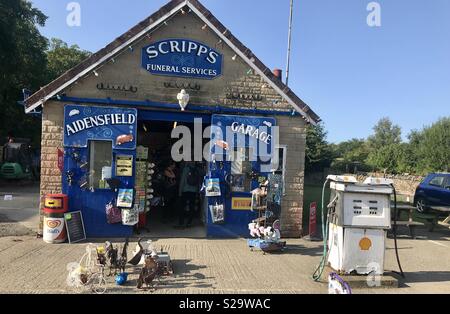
52, 139
404, 184
237, 76
293, 135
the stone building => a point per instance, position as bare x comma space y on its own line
180, 47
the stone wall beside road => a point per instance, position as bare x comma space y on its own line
404, 184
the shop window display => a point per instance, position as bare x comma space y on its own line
100, 160
279, 163
241, 167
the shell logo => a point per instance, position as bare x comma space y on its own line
365, 244
53, 224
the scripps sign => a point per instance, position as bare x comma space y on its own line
182, 57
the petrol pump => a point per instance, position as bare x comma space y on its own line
356, 225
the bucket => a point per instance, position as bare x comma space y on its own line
54, 230
56, 204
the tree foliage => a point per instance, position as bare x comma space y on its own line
354, 150
427, 150
318, 151
431, 146
27, 61
61, 57
22, 60
385, 134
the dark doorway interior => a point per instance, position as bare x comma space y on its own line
172, 213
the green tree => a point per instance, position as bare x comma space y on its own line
27, 61
22, 60
385, 133
385, 146
61, 58
354, 150
391, 158
318, 152
431, 147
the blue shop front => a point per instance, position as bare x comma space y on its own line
172, 130
116, 162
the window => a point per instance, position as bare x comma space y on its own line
447, 183
100, 162
279, 162
437, 181
241, 168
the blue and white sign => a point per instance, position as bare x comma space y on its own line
182, 57
82, 123
229, 132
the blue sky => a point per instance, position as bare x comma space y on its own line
349, 73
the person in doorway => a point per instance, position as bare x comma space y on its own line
188, 190
170, 190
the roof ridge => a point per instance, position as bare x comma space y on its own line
147, 24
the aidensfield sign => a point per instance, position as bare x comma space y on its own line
85, 123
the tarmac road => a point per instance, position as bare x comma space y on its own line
22, 208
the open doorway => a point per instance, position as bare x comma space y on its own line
174, 204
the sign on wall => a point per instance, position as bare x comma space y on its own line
83, 123
183, 58
230, 132
124, 166
241, 203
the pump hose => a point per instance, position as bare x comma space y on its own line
395, 233
319, 270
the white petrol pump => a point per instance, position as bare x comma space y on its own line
358, 219
355, 227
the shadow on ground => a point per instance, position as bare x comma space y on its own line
426, 276
186, 276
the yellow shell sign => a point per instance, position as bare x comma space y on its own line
241, 203
365, 244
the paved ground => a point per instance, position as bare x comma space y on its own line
28, 265
24, 207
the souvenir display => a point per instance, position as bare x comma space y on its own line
238, 183
142, 152
140, 199
213, 187
275, 190
265, 230
117, 263
217, 213
141, 173
121, 279
336, 285
113, 213
130, 216
125, 198
88, 272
